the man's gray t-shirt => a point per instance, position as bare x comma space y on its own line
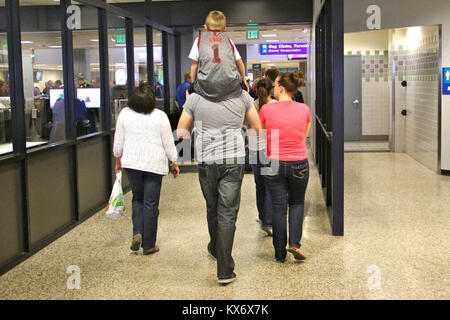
218, 126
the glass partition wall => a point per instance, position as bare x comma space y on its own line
56, 92
86, 62
140, 54
6, 142
117, 55
42, 78
158, 69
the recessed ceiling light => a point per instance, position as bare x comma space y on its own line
305, 30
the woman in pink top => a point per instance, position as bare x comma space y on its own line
287, 123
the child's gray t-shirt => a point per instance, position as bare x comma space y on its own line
218, 126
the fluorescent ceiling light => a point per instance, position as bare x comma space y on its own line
26, 42
270, 35
55, 47
94, 40
272, 40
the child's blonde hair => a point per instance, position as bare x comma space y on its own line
216, 21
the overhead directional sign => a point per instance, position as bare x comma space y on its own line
446, 81
284, 48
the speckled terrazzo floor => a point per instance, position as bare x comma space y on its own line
395, 245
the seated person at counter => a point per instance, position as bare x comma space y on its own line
96, 82
58, 132
4, 91
48, 85
58, 84
37, 92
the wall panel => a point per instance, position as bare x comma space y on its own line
92, 174
11, 221
51, 190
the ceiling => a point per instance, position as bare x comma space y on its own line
56, 2
83, 39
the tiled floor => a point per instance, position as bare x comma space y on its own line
395, 245
367, 146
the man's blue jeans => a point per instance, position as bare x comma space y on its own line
263, 202
146, 188
288, 186
221, 187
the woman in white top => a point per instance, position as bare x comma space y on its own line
257, 152
143, 143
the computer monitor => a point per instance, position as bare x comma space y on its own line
90, 96
55, 94
5, 102
38, 76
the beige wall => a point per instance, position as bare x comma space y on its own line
362, 41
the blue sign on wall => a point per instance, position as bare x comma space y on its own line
446, 81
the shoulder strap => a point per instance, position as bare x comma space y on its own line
199, 36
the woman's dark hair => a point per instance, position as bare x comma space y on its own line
272, 73
291, 81
142, 99
263, 89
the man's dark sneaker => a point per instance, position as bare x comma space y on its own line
228, 280
268, 231
151, 250
136, 242
298, 255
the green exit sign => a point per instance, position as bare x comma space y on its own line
252, 35
120, 38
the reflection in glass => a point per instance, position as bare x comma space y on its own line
117, 53
42, 76
87, 73
140, 54
6, 145
158, 76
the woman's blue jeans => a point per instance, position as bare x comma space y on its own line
287, 186
146, 188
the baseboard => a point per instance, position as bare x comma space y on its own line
375, 138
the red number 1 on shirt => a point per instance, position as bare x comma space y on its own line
216, 58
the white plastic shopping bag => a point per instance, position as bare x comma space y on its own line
116, 206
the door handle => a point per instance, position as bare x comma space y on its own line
356, 101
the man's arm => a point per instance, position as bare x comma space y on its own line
185, 125
252, 118
194, 68
241, 67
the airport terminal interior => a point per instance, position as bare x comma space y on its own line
377, 216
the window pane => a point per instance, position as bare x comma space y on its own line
6, 143
86, 65
117, 53
158, 78
140, 54
42, 75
